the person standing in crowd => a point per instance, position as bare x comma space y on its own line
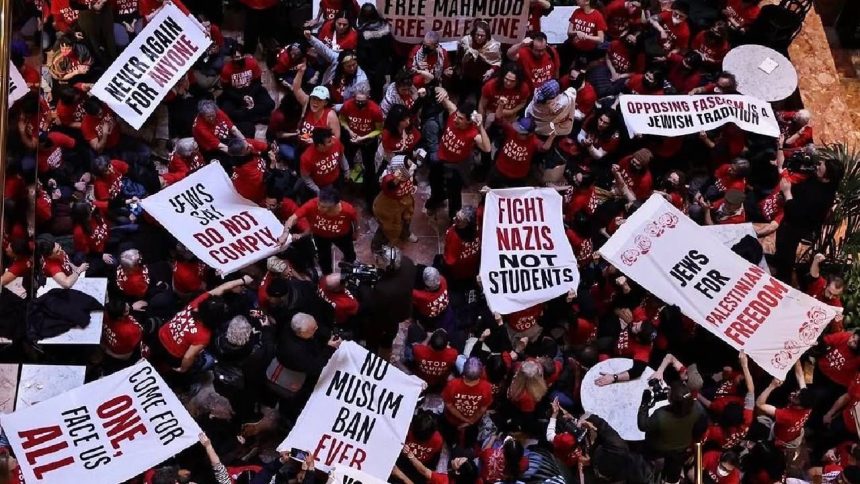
333, 222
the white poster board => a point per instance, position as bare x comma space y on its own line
109, 430
682, 264
17, 85
358, 414
681, 115
223, 229
526, 258
147, 69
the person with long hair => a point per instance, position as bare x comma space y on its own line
90, 236
502, 463
343, 74
317, 110
480, 57
338, 33
599, 137
375, 44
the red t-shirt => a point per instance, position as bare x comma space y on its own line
636, 83
538, 70
433, 366
620, 56
710, 463
20, 267
789, 423
394, 143
740, 13
188, 276
854, 397
323, 168
726, 181
678, 36
588, 24
210, 135
619, 19
249, 179
70, 113
361, 121
344, 303
493, 462
425, 451
94, 242
347, 42
91, 128
63, 14
309, 123
456, 144
683, 79
714, 52
840, 363
524, 319
184, 331
430, 304
468, 400
53, 266
461, 257
179, 167
582, 246
640, 183
514, 158
494, 90
816, 289
122, 336
108, 186
721, 217
133, 283
240, 76
52, 158
728, 438
328, 226
397, 189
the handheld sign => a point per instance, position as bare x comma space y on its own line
680, 115
453, 19
147, 69
17, 85
358, 414
526, 258
109, 430
683, 264
223, 229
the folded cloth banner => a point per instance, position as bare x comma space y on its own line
680, 115
147, 69
109, 430
17, 85
358, 414
453, 19
223, 229
347, 475
683, 264
526, 258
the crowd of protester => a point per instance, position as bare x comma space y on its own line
331, 124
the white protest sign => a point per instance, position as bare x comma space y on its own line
681, 263
453, 19
223, 229
680, 115
358, 414
555, 24
526, 258
109, 430
147, 69
17, 85
347, 475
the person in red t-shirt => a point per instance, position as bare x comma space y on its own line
462, 252
841, 359
586, 29
90, 237
249, 169
795, 128
650, 83
735, 418
362, 121
721, 467
338, 34
788, 421
463, 132
634, 169
538, 60
395, 204
183, 339
730, 176
49, 154
461, 470
188, 273
430, 300
20, 260
434, 361
846, 426
244, 99
466, 400
321, 164
622, 17
673, 28
684, 71
634, 341
332, 221
121, 334
514, 158
826, 289
726, 210
56, 263
528, 387
132, 276
99, 126
712, 45
212, 129
506, 94
332, 290
740, 14
185, 160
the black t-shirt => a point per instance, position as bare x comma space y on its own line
810, 203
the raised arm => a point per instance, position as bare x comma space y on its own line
301, 96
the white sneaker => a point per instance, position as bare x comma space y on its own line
412, 238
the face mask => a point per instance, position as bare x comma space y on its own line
676, 20
426, 50
361, 104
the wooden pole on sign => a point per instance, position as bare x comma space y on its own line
5, 56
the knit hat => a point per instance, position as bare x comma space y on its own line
548, 90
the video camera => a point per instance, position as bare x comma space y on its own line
355, 274
656, 392
802, 161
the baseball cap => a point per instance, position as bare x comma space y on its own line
320, 92
524, 125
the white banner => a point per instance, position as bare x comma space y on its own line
109, 430
681, 263
358, 414
17, 85
680, 115
146, 70
453, 19
347, 475
526, 258
223, 229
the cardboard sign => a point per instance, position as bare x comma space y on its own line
17, 85
223, 229
453, 19
147, 69
683, 264
526, 258
109, 430
680, 115
358, 414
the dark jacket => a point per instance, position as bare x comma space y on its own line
308, 356
58, 311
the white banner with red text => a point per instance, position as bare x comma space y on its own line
109, 430
17, 85
223, 229
680, 115
453, 19
347, 475
358, 414
685, 265
147, 69
526, 258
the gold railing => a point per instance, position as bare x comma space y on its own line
5, 52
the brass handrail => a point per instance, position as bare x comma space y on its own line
5, 56
698, 463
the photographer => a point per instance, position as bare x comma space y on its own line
806, 206
389, 301
333, 291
